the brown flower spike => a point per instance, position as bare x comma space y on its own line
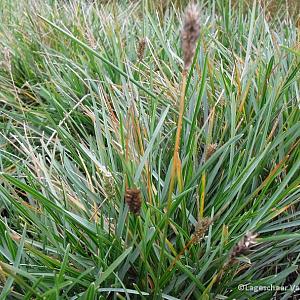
200, 229
190, 34
248, 240
210, 150
133, 200
141, 48
243, 245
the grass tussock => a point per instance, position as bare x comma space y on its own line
107, 109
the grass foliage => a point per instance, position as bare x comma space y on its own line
85, 113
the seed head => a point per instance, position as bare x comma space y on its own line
133, 200
200, 229
243, 245
190, 34
141, 48
240, 248
210, 150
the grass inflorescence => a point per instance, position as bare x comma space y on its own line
148, 150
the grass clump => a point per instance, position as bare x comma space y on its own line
89, 117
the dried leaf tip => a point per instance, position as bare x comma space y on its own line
190, 34
133, 200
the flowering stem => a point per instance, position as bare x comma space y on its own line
176, 166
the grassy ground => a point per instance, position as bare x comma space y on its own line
89, 97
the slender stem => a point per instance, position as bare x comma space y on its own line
176, 166
186, 247
202, 198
